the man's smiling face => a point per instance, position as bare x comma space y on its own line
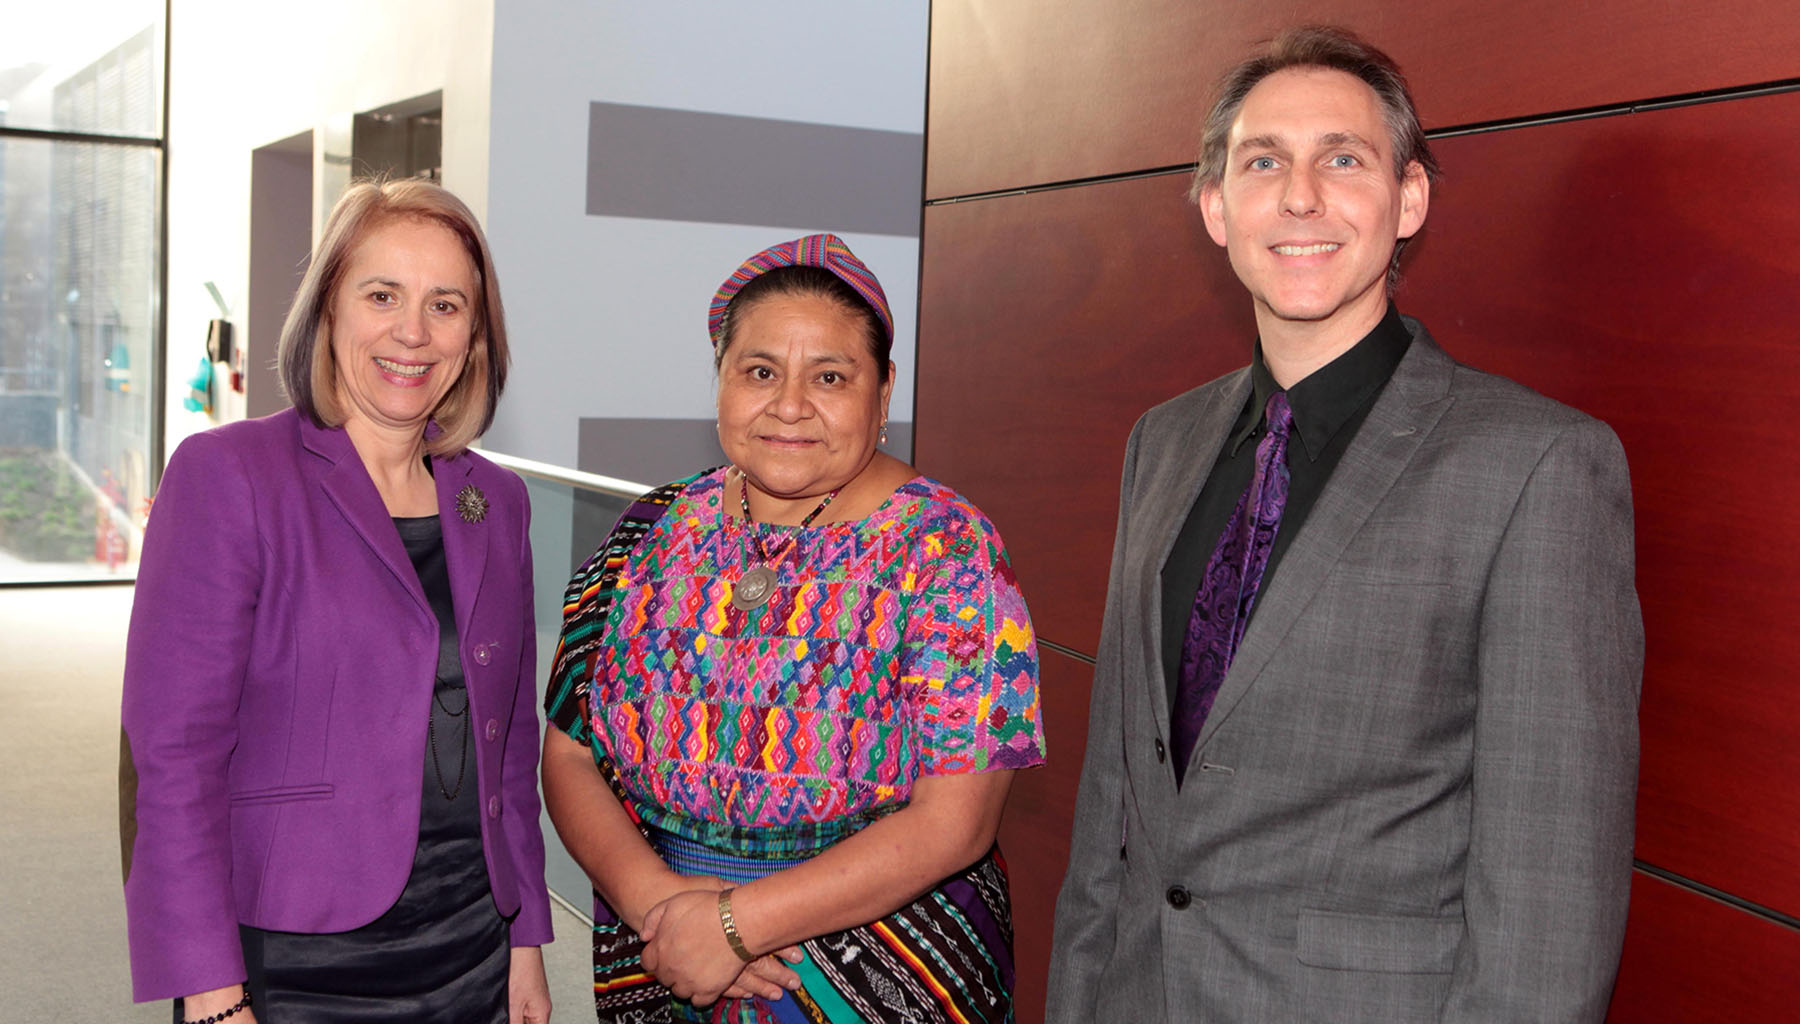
1309, 207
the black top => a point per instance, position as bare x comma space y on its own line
1329, 406
449, 775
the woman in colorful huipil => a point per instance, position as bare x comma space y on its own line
790, 696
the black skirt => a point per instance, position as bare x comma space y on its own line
440, 954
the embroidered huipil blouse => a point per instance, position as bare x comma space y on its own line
894, 646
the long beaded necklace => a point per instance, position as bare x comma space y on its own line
462, 748
758, 585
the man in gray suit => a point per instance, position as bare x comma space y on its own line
1363, 742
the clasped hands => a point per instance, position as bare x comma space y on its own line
685, 947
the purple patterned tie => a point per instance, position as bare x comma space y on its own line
1228, 590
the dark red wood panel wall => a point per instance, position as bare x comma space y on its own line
1694, 960
1025, 92
1048, 322
1635, 265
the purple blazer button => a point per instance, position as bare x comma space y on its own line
493, 729
482, 654
493, 807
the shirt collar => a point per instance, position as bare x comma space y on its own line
1331, 395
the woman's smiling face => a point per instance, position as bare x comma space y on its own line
801, 397
402, 321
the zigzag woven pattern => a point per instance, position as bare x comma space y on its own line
894, 646
584, 601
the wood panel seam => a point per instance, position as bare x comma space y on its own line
1643, 106
1069, 651
1787, 921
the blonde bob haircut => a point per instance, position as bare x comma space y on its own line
309, 373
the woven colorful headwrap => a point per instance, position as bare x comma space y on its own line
826, 251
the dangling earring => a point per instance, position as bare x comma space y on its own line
883, 433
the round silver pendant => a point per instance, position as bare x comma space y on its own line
754, 590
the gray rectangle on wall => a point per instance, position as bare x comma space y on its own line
663, 164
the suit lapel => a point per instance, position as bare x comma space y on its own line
1403, 416
465, 540
348, 486
1167, 498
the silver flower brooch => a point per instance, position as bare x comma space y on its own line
471, 504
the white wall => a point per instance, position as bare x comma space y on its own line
243, 75
607, 314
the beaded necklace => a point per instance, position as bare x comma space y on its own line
758, 585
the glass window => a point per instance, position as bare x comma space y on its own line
83, 66
80, 300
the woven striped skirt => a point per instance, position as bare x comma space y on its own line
946, 957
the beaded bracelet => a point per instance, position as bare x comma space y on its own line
730, 925
242, 1004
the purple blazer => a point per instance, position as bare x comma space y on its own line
278, 682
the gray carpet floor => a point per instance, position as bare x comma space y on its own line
62, 947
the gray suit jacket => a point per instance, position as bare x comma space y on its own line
1413, 798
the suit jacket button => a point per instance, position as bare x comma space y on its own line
494, 807
1178, 897
493, 729
482, 654
1162, 752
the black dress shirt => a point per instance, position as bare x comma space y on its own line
1329, 405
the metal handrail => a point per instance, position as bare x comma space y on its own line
572, 477
561, 870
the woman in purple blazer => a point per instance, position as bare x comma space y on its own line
328, 799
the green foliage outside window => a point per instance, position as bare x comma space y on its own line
46, 513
